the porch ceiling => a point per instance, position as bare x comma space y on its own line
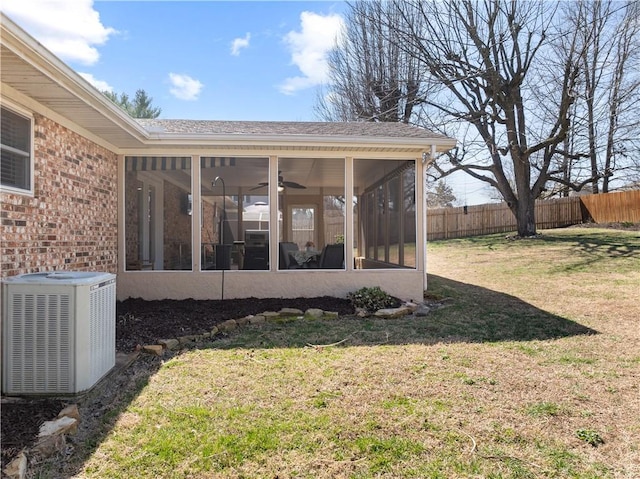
316, 174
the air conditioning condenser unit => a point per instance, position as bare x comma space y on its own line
58, 332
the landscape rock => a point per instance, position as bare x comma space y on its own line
314, 313
422, 311
390, 313
192, 337
184, 340
153, 349
62, 425
170, 344
243, 321
214, 331
290, 312
411, 305
70, 411
270, 315
257, 319
228, 325
49, 445
17, 469
331, 315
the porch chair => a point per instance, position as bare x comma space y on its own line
332, 257
285, 259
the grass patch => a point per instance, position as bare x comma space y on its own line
590, 436
543, 408
537, 337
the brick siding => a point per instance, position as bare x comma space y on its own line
71, 221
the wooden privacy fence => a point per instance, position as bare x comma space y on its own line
458, 222
617, 207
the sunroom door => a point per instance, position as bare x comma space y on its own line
303, 224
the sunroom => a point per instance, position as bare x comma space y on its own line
214, 210
210, 209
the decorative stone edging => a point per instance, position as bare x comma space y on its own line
285, 314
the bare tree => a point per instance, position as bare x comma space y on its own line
508, 79
623, 136
602, 141
373, 77
487, 57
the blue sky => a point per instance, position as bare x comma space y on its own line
202, 60
234, 60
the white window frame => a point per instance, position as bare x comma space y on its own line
27, 116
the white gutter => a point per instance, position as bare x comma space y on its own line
193, 139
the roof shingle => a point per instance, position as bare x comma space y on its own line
283, 128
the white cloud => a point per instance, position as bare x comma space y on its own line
70, 29
240, 43
184, 87
99, 84
309, 48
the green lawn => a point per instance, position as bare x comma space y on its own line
531, 370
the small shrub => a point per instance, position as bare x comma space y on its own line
590, 437
372, 299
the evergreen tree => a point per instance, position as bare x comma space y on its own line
440, 196
139, 107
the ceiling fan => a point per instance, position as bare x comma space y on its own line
282, 184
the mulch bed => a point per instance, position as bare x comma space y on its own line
141, 322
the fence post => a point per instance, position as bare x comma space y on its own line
446, 225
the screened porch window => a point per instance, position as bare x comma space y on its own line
234, 212
385, 222
311, 201
158, 209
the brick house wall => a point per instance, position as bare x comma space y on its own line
71, 221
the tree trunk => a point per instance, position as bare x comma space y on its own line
525, 213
